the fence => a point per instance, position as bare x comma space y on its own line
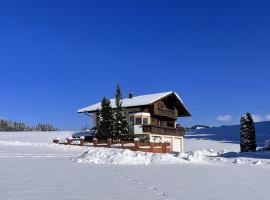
133, 146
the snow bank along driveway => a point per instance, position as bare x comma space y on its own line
31, 167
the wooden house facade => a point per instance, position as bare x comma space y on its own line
153, 117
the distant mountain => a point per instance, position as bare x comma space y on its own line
230, 133
197, 127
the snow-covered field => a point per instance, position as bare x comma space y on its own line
31, 167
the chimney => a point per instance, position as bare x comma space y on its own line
130, 95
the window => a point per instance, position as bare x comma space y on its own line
138, 120
131, 120
145, 121
170, 124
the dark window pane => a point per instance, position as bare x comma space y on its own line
138, 121
145, 121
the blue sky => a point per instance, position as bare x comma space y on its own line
58, 56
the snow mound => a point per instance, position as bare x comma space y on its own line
195, 155
127, 157
259, 162
238, 161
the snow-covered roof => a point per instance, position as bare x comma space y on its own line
133, 102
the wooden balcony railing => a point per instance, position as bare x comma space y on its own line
165, 112
163, 130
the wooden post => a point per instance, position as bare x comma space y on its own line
109, 142
56, 141
122, 144
152, 144
95, 142
82, 140
136, 144
69, 140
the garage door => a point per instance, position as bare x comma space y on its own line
177, 145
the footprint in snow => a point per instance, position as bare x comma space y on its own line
162, 194
152, 188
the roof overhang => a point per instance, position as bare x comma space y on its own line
182, 108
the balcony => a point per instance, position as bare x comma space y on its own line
165, 112
163, 130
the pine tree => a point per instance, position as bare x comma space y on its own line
247, 134
6, 125
105, 120
96, 128
121, 125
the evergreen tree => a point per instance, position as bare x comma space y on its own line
6, 125
96, 128
247, 134
105, 120
121, 125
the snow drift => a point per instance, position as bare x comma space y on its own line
127, 157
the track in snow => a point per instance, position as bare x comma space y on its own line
141, 183
42, 155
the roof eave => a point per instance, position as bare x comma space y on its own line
92, 111
186, 112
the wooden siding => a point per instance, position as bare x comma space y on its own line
163, 130
164, 112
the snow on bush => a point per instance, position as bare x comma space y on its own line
127, 157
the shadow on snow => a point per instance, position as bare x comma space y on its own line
258, 154
230, 134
